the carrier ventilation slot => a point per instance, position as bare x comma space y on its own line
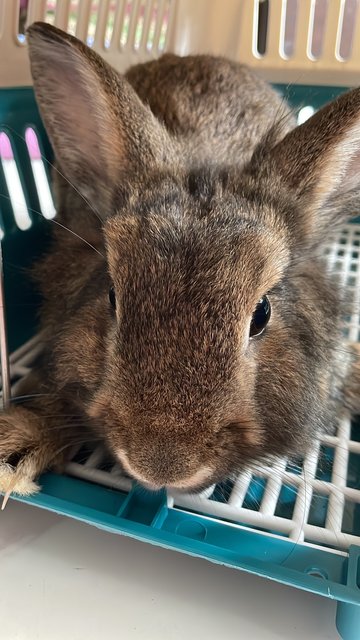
329, 27
46, 202
13, 184
119, 25
25, 193
73, 16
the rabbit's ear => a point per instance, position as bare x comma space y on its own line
320, 162
99, 128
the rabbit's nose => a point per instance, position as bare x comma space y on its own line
197, 479
156, 478
149, 478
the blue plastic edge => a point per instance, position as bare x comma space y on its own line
278, 559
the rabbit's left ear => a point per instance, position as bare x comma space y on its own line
319, 163
99, 128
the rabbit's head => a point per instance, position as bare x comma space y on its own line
220, 325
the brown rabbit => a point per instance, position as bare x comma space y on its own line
190, 323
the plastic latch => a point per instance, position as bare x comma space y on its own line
143, 506
353, 573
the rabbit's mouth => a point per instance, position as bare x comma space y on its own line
191, 482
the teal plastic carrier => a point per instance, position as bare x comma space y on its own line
316, 566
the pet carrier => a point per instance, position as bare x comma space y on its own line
301, 524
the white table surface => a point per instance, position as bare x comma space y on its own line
62, 580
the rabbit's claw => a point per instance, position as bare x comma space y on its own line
15, 480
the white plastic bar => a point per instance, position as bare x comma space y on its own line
13, 22
133, 24
148, 10
331, 34
352, 495
169, 8
305, 494
101, 24
95, 458
100, 477
272, 490
36, 11
27, 352
14, 186
40, 177
355, 53
116, 470
247, 28
305, 11
43, 190
253, 28
161, 9
240, 489
118, 25
354, 447
62, 14
339, 475
82, 23
328, 537
224, 510
340, 29
275, 29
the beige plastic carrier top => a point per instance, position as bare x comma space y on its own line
301, 41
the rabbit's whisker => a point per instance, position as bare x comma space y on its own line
54, 221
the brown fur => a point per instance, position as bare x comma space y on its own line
199, 199
351, 390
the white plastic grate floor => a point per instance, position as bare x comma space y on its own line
315, 501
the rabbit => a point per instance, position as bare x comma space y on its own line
189, 321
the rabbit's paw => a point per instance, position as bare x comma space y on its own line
20, 452
13, 480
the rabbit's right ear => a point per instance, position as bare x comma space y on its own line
99, 128
318, 163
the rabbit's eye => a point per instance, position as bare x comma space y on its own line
112, 297
261, 317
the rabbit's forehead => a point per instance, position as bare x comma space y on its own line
196, 260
